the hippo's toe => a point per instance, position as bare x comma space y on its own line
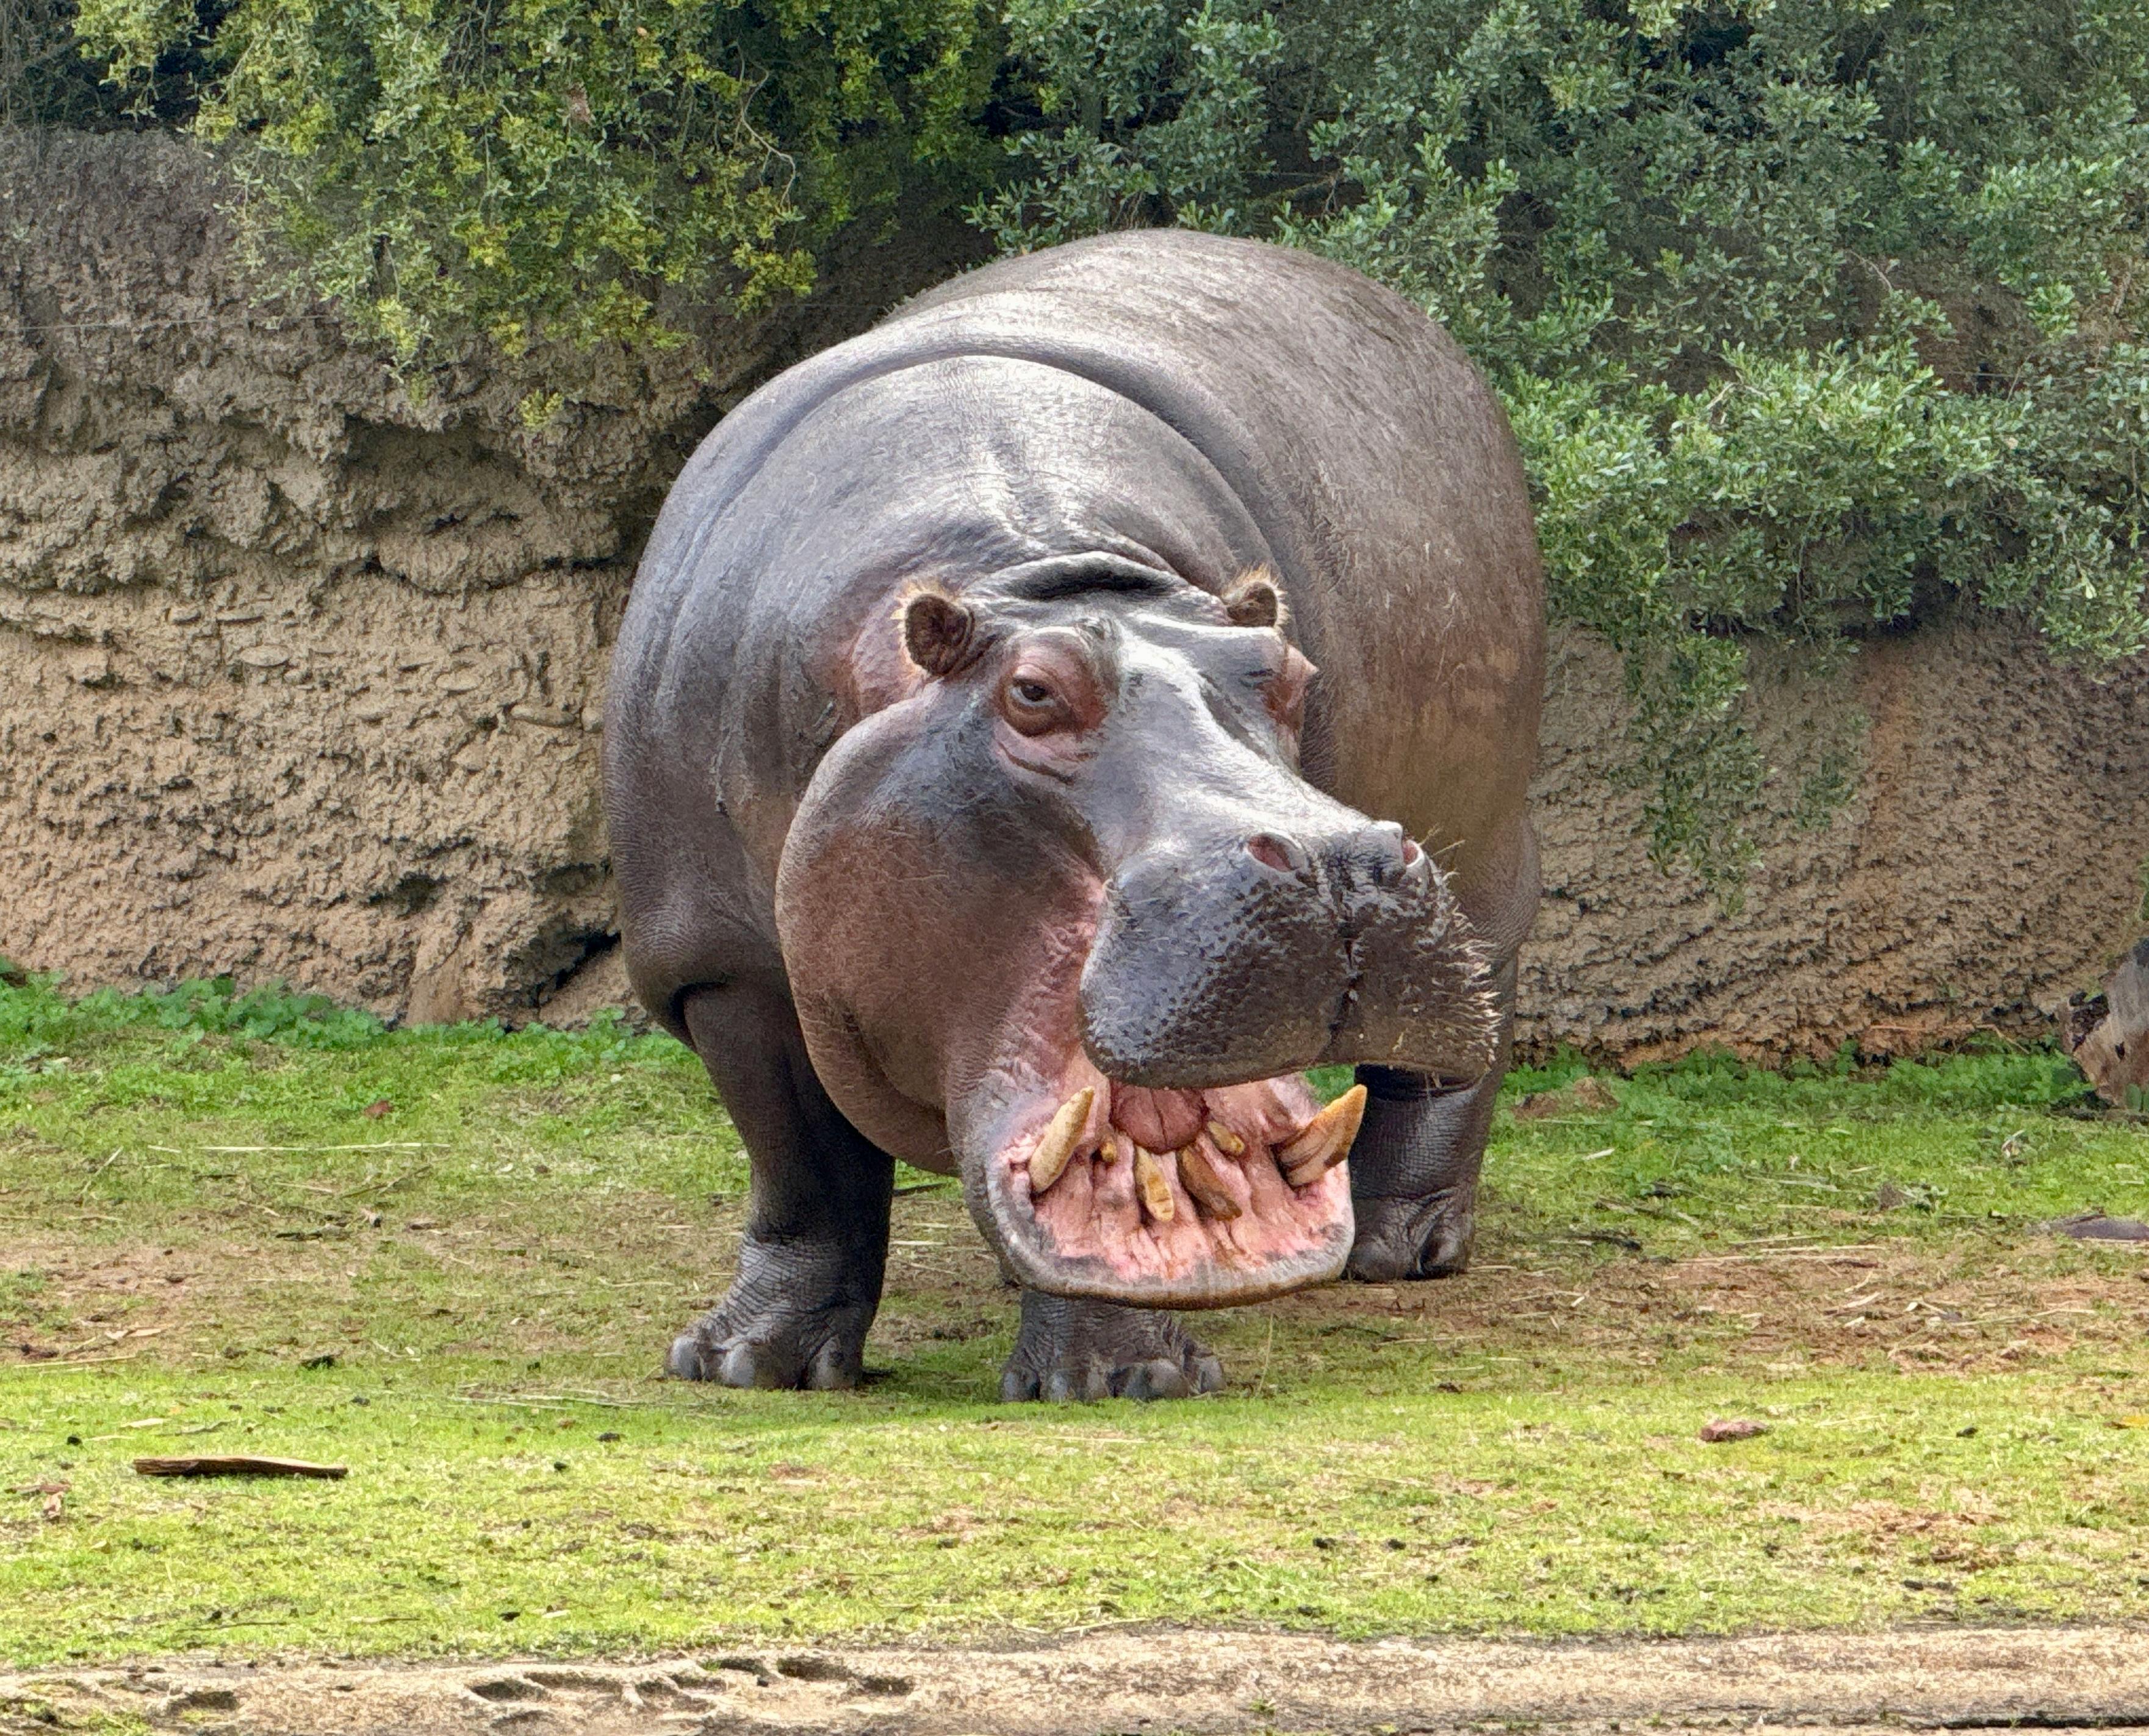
685, 1362
1401, 1239
1162, 1378
774, 1354
1070, 1349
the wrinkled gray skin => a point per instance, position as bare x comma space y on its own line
886, 906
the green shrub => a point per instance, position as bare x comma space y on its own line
1808, 316
42, 75
554, 168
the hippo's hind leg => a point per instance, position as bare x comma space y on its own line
1414, 1168
1072, 1349
815, 1250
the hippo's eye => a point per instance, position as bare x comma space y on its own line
1033, 707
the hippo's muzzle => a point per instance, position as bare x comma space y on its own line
1280, 951
1179, 1158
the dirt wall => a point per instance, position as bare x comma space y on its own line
1990, 863
300, 672
300, 677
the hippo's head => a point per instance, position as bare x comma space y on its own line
1068, 907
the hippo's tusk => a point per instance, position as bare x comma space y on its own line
1056, 1145
1227, 1142
1149, 1183
1199, 1177
1323, 1142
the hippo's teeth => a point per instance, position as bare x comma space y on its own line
1149, 1183
1199, 1177
1116, 1146
1056, 1145
1227, 1142
1323, 1142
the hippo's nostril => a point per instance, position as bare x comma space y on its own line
1382, 852
1286, 856
1418, 875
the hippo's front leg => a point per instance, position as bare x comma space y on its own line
815, 1250
1414, 1169
1069, 1349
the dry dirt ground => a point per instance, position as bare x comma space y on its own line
1158, 1680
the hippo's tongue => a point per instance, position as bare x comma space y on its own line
1177, 1199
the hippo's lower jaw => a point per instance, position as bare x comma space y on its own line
1169, 1199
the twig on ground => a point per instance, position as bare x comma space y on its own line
394, 1145
235, 1464
75, 1361
98, 1171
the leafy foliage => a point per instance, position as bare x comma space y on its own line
1808, 317
42, 75
557, 168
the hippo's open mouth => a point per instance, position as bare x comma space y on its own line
1175, 1199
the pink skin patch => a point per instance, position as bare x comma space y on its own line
1093, 1215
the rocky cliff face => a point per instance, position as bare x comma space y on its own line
300, 677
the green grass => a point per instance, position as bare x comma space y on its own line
458, 1275
1709, 1149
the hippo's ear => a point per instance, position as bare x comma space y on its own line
939, 633
1253, 600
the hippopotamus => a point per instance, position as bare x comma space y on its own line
1044, 726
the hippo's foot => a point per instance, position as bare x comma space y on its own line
1414, 1175
1069, 1349
1403, 1238
796, 1316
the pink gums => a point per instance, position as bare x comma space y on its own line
1092, 1212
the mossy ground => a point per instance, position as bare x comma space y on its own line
452, 1259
